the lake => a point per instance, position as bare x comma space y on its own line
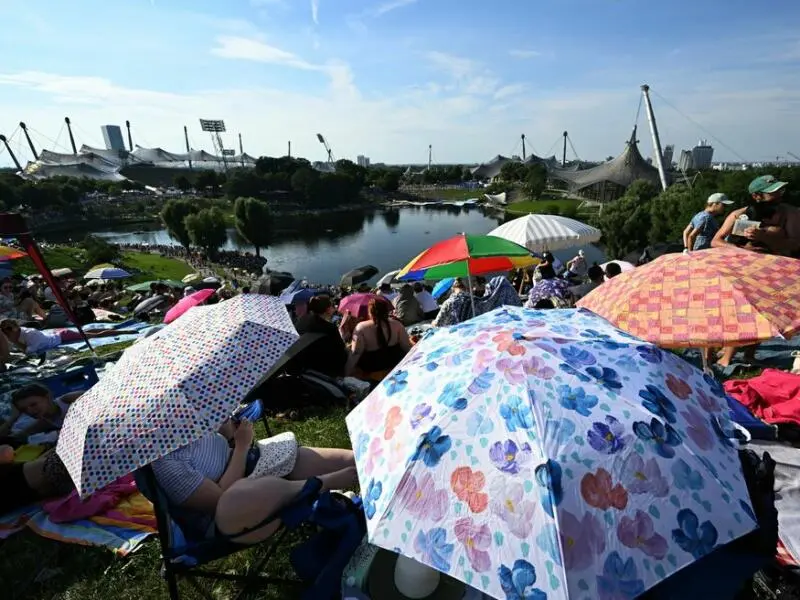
321, 248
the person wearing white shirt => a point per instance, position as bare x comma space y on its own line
387, 292
428, 304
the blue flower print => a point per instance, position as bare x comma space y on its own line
517, 414
608, 437
548, 476
481, 383
459, 358
627, 363
479, 423
685, 477
451, 396
650, 354
432, 446
716, 386
436, 354
709, 465
570, 370
431, 366
433, 548
661, 438
374, 490
694, 538
657, 403
595, 335
548, 541
576, 399
724, 430
517, 582
502, 317
612, 346
508, 457
420, 414
605, 377
619, 579
561, 432
361, 445
564, 330
397, 382
578, 357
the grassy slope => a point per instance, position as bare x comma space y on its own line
36, 568
544, 206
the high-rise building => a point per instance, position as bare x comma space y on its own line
666, 157
686, 161
363, 161
702, 155
112, 135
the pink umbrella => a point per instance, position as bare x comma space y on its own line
184, 304
356, 304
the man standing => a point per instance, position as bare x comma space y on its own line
703, 226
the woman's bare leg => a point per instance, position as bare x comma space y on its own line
313, 462
249, 501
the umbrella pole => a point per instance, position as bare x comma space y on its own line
471, 295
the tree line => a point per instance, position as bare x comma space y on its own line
645, 215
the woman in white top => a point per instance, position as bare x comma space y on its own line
33, 341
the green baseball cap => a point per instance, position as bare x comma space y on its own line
766, 184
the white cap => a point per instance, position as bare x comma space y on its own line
718, 198
580, 252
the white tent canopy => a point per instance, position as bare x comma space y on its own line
547, 232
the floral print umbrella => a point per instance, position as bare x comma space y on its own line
172, 388
547, 454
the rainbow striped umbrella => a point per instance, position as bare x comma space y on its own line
9, 253
464, 255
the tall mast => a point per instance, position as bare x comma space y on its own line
130, 139
71, 139
651, 118
11, 152
430, 156
241, 149
564, 151
188, 149
523, 147
290, 149
28, 137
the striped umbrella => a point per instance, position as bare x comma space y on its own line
547, 232
464, 255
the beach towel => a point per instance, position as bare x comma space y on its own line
72, 508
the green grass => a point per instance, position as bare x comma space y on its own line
33, 567
543, 206
454, 194
58, 257
154, 266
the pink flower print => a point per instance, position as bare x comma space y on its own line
483, 359
374, 455
422, 499
698, 428
638, 533
640, 477
476, 541
509, 503
709, 403
536, 367
511, 369
375, 414
393, 418
679, 387
482, 339
582, 540
507, 341
398, 453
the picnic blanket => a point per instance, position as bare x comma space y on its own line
773, 396
775, 353
135, 325
120, 529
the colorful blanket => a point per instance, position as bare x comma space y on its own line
120, 529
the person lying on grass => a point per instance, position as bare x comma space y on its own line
34, 341
208, 481
36, 402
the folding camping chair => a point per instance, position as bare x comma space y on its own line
187, 558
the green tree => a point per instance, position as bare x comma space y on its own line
174, 216
244, 182
99, 251
305, 182
183, 183
207, 230
389, 181
625, 224
512, 171
253, 222
535, 181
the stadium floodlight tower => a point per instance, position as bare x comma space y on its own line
324, 142
215, 128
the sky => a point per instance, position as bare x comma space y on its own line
388, 78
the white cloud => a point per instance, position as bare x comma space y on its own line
467, 75
382, 9
237, 47
519, 53
315, 11
508, 91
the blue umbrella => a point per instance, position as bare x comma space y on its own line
107, 273
442, 287
300, 296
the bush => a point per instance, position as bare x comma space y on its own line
99, 251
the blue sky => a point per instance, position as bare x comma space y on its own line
386, 78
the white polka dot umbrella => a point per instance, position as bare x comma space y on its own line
172, 388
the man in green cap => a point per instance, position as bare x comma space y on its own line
778, 231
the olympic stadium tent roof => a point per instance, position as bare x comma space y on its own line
621, 171
156, 155
38, 171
